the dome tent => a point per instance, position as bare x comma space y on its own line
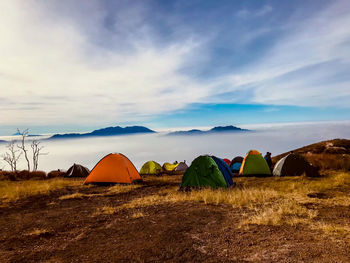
151, 168
254, 165
181, 167
236, 164
227, 161
113, 168
292, 165
77, 170
169, 167
204, 172
224, 169
237, 159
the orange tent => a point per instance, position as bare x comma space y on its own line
113, 168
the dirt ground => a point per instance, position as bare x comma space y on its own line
70, 231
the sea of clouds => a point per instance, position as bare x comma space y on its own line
275, 138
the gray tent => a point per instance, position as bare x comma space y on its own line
182, 166
77, 170
292, 165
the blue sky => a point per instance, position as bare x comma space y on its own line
73, 65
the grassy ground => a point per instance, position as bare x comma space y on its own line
14, 190
287, 219
275, 201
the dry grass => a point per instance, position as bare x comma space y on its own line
72, 196
106, 210
330, 161
137, 215
335, 201
12, 191
329, 228
299, 185
117, 189
37, 232
162, 179
290, 209
251, 195
285, 211
267, 201
235, 197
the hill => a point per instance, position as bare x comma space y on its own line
331, 154
109, 131
217, 129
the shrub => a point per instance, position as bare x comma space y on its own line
26, 175
56, 173
6, 175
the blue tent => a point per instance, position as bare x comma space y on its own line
236, 167
224, 169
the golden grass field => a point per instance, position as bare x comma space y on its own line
294, 202
274, 200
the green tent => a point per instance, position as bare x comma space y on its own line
151, 168
254, 165
203, 172
291, 165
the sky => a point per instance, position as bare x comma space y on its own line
80, 65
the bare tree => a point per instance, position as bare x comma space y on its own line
12, 156
24, 135
36, 148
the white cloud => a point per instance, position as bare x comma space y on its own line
52, 71
245, 13
320, 39
54, 63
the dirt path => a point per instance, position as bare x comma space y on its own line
71, 231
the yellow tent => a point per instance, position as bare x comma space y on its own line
152, 168
169, 167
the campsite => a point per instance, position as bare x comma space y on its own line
259, 219
174, 131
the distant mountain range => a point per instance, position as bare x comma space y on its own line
109, 131
114, 131
218, 129
29, 135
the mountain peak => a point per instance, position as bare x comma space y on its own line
229, 128
108, 131
226, 128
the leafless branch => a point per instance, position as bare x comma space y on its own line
24, 134
12, 156
36, 149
